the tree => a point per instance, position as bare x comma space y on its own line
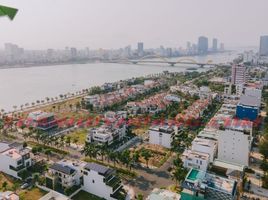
113, 156
263, 146
146, 154
75, 140
125, 158
90, 150
48, 152
136, 157
68, 140
8, 11
15, 186
178, 175
140, 196
4, 185
102, 150
25, 144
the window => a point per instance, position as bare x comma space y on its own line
85, 173
93, 181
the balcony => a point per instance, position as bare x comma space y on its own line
114, 182
19, 168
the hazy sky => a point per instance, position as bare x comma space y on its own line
41, 24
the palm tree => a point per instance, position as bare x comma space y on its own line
146, 154
125, 157
178, 175
4, 185
15, 186
90, 150
68, 140
48, 152
136, 156
102, 150
113, 156
75, 140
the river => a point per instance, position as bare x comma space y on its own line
25, 85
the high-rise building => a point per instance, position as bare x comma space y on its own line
73, 53
188, 46
140, 49
239, 75
222, 47
234, 146
264, 45
214, 44
202, 45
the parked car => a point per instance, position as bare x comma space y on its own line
24, 185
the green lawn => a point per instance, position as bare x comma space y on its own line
80, 134
82, 195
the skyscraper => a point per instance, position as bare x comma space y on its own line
239, 75
202, 45
73, 53
221, 47
264, 45
214, 45
140, 48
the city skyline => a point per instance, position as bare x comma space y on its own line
111, 25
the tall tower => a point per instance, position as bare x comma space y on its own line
239, 75
202, 45
140, 49
264, 45
214, 45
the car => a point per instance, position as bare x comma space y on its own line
24, 185
258, 176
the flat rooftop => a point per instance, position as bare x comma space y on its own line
197, 179
195, 154
204, 142
163, 129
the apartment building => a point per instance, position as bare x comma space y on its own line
234, 146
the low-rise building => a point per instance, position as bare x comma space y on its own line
248, 107
153, 104
202, 185
195, 111
195, 159
9, 195
107, 133
14, 159
53, 195
162, 135
64, 174
101, 181
41, 120
93, 178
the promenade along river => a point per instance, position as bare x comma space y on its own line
25, 85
